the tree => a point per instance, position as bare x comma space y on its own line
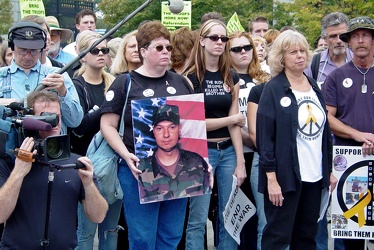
6, 18
305, 15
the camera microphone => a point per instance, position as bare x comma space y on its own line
33, 124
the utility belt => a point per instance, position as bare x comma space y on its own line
220, 145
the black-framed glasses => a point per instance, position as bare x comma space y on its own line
96, 51
239, 49
160, 48
215, 38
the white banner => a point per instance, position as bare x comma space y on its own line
237, 212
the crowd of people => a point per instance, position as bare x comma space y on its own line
274, 108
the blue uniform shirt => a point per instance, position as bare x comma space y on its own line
16, 83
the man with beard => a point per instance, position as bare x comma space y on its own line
171, 172
336, 54
348, 93
59, 36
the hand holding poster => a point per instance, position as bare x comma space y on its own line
352, 200
237, 212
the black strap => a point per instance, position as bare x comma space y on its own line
315, 65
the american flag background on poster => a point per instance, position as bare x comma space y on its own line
192, 137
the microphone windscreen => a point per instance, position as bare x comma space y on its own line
176, 6
33, 124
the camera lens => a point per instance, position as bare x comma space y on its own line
54, 148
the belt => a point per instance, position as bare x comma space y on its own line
220, 145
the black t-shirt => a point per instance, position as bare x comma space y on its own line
248, 81
89, 96
255, 94
25, 227
142, 87
217, 98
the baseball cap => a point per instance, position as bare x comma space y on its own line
28, 35
362, 22
53, 23
166, 113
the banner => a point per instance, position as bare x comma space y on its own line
174, 21
170, 141
31, 7
352, 200
237, 212
234, 24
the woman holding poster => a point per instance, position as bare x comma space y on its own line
209, 71
157, 225
246, 63
294, 144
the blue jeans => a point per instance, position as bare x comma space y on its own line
224, 164
322, 234
108, 229
259, 198
157, 225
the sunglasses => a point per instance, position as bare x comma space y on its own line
96, 51
160, 48
240, 48
215, 38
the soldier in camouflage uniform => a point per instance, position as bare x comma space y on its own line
171, 172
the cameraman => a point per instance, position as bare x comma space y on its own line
24, 191
27, 41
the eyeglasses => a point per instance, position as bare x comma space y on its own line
240, 48
96, 51
215, 38
160, 48
33, 52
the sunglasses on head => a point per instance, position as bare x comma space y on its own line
160, 48
215, 38
240, 48
96, 51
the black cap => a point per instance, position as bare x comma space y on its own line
166, 113
28, 35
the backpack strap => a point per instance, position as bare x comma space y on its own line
127, 88
315, 65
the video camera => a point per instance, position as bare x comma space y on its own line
17, 123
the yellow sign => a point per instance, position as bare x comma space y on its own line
234, 24
175, 21
31, 7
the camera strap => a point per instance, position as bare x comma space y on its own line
23, 155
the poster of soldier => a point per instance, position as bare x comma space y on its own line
352, 199
170, 142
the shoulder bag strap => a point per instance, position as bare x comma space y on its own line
315, 65
122, 124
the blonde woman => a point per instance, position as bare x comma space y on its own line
295, 152
127, 57
91, 82
246, 63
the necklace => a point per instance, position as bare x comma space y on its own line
364, 87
